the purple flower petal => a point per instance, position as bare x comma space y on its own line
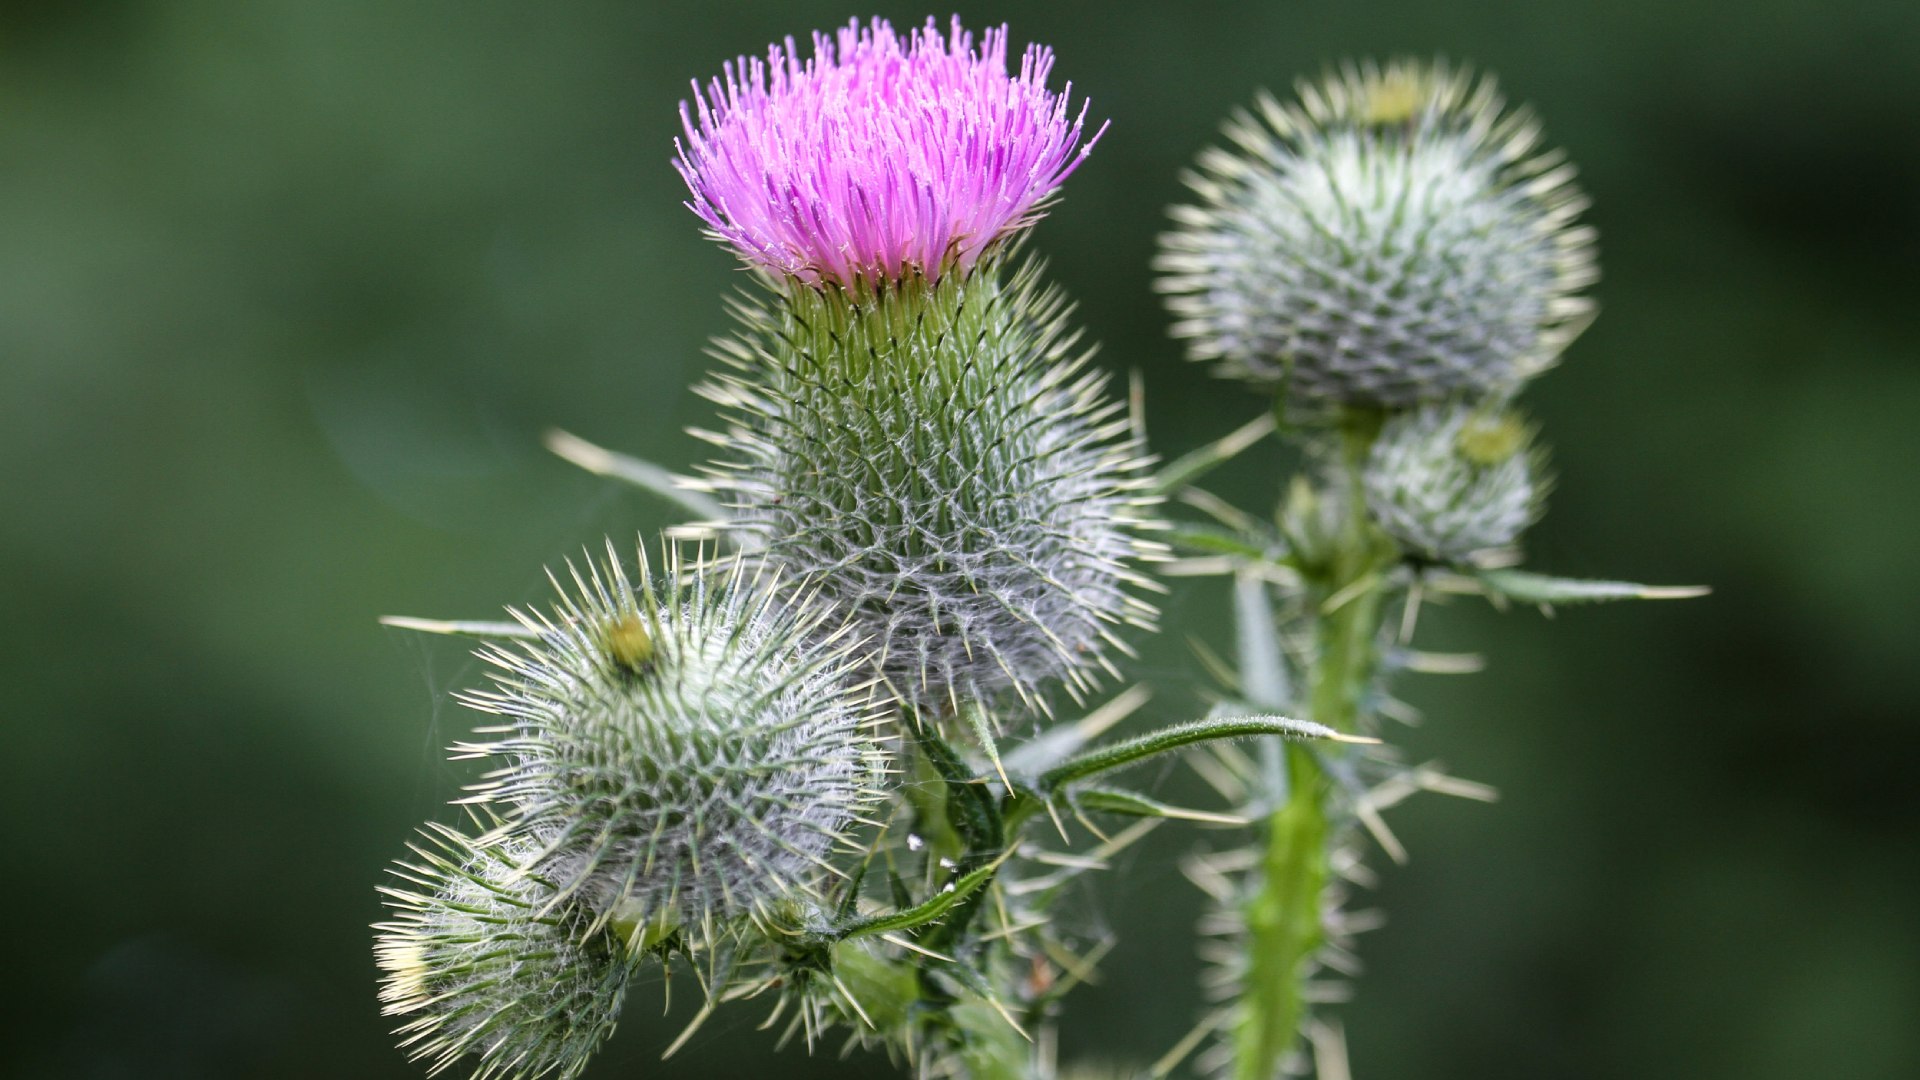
881, 157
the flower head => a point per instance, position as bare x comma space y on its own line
691, 753
1452, 479
481, 960
942, 460
1397, 235
885, 155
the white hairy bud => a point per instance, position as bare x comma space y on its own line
1449, 480
1394, 236
690, 752
484, 959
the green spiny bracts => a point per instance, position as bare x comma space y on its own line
940, 460
1449, 480
862, 988
484, 959
1395, 236
691, 752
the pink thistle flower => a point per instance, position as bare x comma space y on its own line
881, 157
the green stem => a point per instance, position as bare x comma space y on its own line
1284, 915
1348, 600
1283, 924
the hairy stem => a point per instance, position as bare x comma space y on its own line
1284, 916
1283, 923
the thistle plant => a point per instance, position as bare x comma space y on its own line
913, 422
814, 762
1393, 255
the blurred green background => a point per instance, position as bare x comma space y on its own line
288, 291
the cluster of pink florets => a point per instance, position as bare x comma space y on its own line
881, 157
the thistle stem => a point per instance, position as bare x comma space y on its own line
1284, 913
1283, 923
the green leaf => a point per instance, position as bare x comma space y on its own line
970, 808
1542, 589
923, 913
1105, 800
1135, 750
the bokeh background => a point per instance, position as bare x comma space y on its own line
289, 290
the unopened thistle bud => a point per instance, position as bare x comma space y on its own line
690, 753
1394, 236
940, 459
483, 961
1450, 480
914, 428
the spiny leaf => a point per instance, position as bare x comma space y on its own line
1545, 590
1193, 465
1105, 800
1135, 750
1210, 541
926, 911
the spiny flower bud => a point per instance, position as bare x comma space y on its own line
940, 460
691, 753
484, 961
1449, 480
885, 155
1395, 236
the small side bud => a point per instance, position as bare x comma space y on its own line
1487, 441
1448, 481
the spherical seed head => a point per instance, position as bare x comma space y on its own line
942, 461
884, 156
1394, 236
691, 752
483, 961
1450, 480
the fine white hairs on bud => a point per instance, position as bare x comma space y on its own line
1395, 236
1449, 480
941, 460
482, 961
691, 753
